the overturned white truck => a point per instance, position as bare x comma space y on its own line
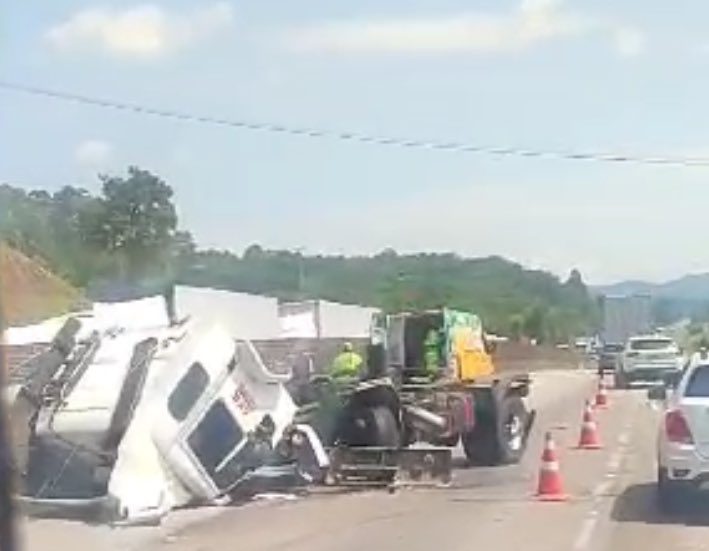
127, 416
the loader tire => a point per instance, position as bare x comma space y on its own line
374, 426
499, 438
480, 444
512, 425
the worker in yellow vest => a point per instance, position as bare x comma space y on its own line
347, 364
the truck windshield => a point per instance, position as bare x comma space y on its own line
215, 437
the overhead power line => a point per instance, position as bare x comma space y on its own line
457, 147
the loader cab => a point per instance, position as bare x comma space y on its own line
463, 351
405, 335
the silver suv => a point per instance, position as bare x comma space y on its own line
648, 358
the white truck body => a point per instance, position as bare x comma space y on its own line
322, 319
185, 437
625, 316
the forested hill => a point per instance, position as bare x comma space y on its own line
129, 231
510, 298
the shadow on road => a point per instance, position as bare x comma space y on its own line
638, 503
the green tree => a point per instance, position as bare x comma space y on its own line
136, 221
534, 322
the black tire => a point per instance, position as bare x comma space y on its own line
480, 444
498, 438
671, 494
372, 426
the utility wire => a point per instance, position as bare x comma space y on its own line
458, 147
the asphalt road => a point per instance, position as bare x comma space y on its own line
611, 501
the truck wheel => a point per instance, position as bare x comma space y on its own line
480, 444
499, 438
373, 426
511, 429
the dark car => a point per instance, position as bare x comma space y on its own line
609, 356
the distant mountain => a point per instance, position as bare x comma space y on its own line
689, 287
629, 287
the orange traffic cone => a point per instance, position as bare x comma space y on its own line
550, 487
589, 439
601, 395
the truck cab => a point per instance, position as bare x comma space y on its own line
224, 415
136, 418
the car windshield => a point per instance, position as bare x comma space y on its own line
650, 344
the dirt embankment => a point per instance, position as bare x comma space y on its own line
513, 356
29, 292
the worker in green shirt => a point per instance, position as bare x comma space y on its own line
347, 364
432, 353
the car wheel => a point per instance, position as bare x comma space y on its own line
670, 493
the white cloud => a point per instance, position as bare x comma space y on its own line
630, 42
93, 153
531, 23
146, 31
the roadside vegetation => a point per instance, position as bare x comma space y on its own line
130, 232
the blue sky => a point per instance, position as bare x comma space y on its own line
621, 76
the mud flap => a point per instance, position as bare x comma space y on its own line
424, 466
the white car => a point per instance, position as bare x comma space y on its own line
683, 441
648, 358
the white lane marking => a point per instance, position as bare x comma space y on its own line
583, 539
602, 488
614, 462
587, 528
